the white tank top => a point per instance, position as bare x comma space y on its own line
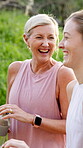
74, 124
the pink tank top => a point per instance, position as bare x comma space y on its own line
35, 94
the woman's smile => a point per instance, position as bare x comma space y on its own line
43, 50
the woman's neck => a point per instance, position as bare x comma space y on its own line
40, 67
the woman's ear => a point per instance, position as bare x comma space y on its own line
25, 38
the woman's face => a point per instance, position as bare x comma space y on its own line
42, 42
72, 45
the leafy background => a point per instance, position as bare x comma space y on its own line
12, 46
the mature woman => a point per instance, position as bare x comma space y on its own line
37, 98
72, 45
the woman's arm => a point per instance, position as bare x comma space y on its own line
65, 76
12, 72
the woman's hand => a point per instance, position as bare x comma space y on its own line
13, 143
13, 111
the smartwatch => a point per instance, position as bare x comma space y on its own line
37, 121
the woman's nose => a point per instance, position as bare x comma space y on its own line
61, 45
45, 43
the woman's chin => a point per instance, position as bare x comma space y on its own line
66, 63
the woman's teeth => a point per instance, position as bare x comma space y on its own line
44, 51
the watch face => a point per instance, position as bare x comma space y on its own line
38, 120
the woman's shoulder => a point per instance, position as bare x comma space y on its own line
15, 66
12, 72
66, 73
65, 69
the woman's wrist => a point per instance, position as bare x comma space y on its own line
30, 118
37, 121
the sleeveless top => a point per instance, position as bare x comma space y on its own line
35, 94
74, 124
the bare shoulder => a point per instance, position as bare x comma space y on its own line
14, 67
69, 88
66, 74
13, 70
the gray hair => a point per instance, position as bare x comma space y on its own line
37, 20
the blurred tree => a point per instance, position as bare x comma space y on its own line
16, 4
59, 8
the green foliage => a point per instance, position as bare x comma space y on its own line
59, 8
58, 54
12, 46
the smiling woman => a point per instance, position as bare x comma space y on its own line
35, 86
45, 36
72, 44
69, 44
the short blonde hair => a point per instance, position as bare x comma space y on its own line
37, 20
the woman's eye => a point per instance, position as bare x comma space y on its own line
38, 37
51, 37
66, 37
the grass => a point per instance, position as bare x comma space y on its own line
12, 46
